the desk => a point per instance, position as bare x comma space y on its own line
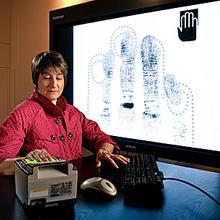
180, 200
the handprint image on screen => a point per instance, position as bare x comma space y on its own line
188, 25
152, 76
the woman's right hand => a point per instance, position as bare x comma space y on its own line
41, 155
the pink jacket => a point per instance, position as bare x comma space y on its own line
60, 129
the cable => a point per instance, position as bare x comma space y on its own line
217, 202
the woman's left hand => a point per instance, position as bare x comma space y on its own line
106, 153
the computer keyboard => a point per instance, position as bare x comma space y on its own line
142, 174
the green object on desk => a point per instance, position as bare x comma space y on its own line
35, 161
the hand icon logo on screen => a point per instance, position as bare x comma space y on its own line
188, 24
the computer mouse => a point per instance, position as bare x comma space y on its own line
99, 185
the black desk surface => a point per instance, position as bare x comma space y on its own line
180, 201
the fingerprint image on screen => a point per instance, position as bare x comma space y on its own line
152, 55
179, 99
124, 43
100, 72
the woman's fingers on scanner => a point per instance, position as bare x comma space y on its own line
39, 155
47, 156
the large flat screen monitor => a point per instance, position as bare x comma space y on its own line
147, 73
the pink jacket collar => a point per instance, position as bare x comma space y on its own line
49, 107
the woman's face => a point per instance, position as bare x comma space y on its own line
51, 83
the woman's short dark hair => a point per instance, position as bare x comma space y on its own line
47, 59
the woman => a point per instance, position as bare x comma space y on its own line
45, 125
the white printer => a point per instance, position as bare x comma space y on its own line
45, 183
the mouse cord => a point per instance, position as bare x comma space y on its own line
217, 202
